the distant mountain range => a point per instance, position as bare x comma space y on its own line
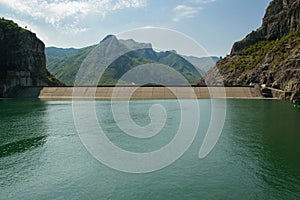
52, 52
121, 56
204, 64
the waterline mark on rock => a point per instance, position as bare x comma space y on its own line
143, 66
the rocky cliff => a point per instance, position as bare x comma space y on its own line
270, 55
281, 18
22, 59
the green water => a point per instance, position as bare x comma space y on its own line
256, 157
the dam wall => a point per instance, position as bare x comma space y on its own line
106, 93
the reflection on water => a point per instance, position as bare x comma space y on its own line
21, 146
18, 117
23, 131
257, 156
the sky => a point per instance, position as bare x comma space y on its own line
214, 24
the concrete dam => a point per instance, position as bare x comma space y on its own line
134, 92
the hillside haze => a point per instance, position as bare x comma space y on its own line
118, 57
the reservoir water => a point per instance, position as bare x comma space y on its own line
256, 157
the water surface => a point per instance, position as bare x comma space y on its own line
257, 156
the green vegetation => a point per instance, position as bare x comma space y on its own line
123, 64
65, 67
6, 25
53, 53
65, 64
249, 58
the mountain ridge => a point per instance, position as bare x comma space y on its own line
72, 61
55, 52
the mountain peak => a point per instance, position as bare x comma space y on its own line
109, 38
134, 45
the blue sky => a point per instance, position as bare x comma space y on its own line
214, 24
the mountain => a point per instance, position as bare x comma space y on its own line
65, 68
117, 57
270, 55
204, 64
22, 59
54, 53
281, 18
146, 57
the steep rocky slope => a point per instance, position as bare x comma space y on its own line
281, 18
22, 59
270, 55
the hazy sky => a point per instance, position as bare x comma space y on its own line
214, 24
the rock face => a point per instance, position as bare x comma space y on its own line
282, 17
270, 55
22, 59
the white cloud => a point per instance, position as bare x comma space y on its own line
54, 11
184, 11
189, 11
